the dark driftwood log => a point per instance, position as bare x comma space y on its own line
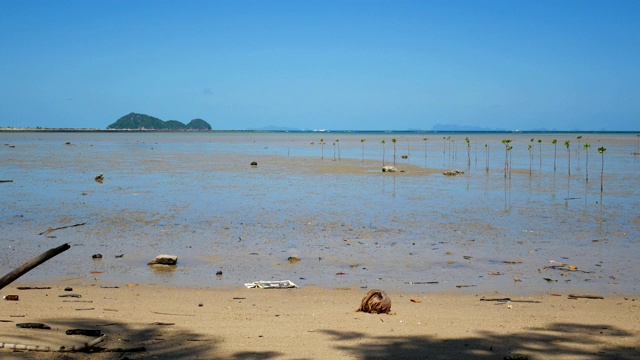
12, 276
376, 302
585, 297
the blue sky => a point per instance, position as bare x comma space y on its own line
340, 65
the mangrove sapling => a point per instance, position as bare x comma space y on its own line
394, 151
486, 149
425, 148
322, 146
509, 148
383, 151
506, 143
555, 153
578, 149
586, 151
530, 158
601, 150
362, 142
468, 151
530, 147
334, 150
540, 151
566, 144
338, 143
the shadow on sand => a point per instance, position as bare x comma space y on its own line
164, 341
557, 341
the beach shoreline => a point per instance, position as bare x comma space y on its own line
444, 242
316, 322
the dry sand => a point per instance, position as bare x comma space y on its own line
317, 323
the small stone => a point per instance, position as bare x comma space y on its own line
68, 289
254, 163
453, 172
293, 259
164, 260
219, 273
96, 256
389, 168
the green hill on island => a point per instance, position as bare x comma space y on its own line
135, 121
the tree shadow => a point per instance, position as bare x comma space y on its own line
124, 341
164, 341
560, 341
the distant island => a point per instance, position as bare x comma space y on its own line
135, 121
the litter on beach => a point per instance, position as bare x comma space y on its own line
278, 284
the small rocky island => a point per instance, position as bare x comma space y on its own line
135, 121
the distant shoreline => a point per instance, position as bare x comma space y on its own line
90, 130
54, 130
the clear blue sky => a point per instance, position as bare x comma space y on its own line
341, 65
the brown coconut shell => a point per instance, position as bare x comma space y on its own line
376, 302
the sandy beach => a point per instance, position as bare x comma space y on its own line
157, 322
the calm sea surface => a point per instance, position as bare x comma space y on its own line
196, 196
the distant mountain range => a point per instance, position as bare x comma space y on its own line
135, 121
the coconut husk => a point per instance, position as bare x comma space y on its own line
376, 302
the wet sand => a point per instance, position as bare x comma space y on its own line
317, 323
196, 196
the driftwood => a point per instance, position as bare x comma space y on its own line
504, 300
375, 302
162, 313
50, 230
33, 287
82, 347
6, 181
586, 297
12, 276
33, 326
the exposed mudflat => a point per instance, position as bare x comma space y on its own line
195, 195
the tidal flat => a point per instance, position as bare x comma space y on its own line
528, 229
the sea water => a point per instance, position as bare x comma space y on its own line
507, 224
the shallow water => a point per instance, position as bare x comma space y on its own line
196, 196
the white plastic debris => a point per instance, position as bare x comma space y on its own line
276, 284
